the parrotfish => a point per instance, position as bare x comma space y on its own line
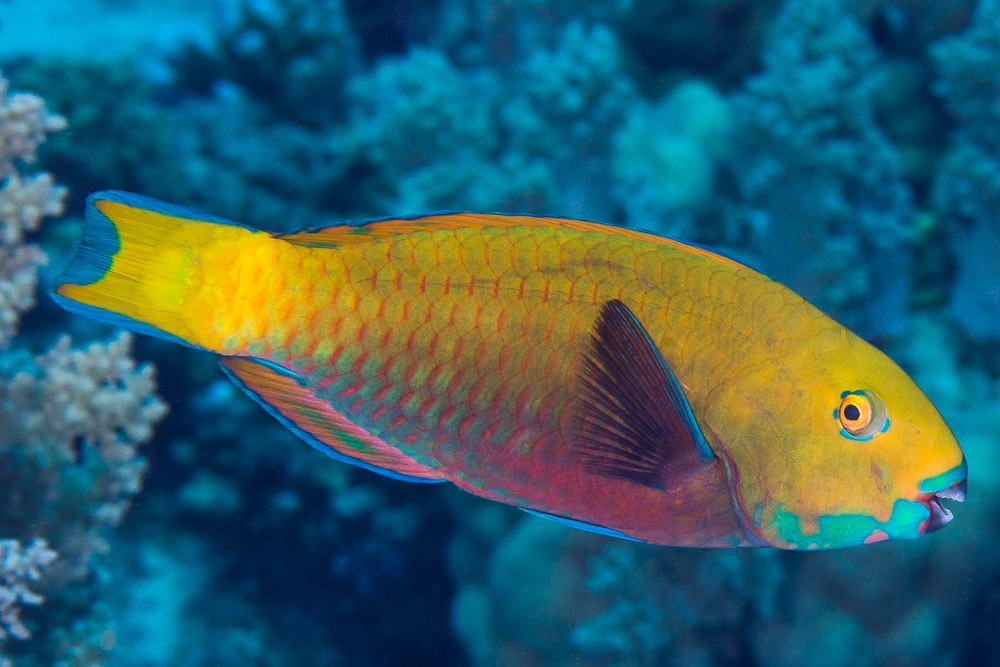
615, 380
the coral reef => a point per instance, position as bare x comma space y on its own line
73, 422
667, 156
583, 599
24, 201
967, 190
292, 57
817, 175
70, 420
20, 567
845, 147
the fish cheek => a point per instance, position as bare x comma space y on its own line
840, 494
790, 471
755, 450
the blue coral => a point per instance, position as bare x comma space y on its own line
967, 190
815, 171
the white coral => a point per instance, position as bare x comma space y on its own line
19, 568
96, 394
18, 279
24, 123
24, 201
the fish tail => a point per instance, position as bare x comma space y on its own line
143, 265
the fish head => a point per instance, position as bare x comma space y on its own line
840, 447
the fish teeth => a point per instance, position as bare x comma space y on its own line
954, 492
940, 515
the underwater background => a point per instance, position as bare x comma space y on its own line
151, 514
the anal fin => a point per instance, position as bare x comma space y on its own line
296, 405
582, 525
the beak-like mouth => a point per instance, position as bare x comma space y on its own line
940, 515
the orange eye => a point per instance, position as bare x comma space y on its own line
861, 414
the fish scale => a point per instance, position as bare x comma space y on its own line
540, 373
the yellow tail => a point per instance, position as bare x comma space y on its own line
154, 268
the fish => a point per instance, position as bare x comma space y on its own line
611, 379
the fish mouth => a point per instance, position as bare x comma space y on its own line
941, 516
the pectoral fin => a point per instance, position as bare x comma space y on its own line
632, 419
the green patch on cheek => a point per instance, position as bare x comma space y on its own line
847, 530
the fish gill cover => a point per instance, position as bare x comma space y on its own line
845, 148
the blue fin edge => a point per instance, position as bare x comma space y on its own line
583, 525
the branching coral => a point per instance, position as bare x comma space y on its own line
70, 420
20, 567
80, 415
293, 57
24, 123
24, 201
967, 191
822, 185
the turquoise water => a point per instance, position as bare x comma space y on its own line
845, 148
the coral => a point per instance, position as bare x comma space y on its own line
426, 128
293, 57
661, 603
717, 39
967, 190
504, 34
122, 137
821, 186
24, 124
20, 567
586, 599
18, 280
70, 420
666, 157
563, 109
80, 415
425, 134
24, 201
419, 131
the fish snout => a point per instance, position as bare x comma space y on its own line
941, 515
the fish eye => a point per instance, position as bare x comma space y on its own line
861, 414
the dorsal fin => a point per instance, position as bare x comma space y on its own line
341, 235
296, 405
633, 421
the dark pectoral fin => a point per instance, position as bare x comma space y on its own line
633, 421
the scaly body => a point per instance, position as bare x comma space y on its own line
458, 341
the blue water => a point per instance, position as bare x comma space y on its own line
848, 149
